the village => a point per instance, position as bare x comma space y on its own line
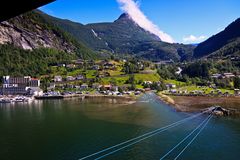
105, 78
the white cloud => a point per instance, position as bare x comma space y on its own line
193, 39
132, 8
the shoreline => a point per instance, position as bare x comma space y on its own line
124, 99
199, 103
170, 101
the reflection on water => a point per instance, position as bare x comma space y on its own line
8, 110
70, 129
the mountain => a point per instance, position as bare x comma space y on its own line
79, 31
123, 36
29, 45
225, 43
118, 36
31, 31
156, 51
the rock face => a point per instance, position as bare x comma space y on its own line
27, 32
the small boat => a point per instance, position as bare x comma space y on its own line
5, 100
18, 99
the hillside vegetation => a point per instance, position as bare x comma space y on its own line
15, 61
221, 40
30, 31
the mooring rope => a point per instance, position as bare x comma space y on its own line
141, 138
183, 140
194, 138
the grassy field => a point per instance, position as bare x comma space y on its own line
115, 73
75, 72
147, 77
58, 70
121, 80
90, 73
177, 83
205, 89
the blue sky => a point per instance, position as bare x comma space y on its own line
186, 21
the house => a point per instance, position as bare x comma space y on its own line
114, 88
61, 65
95, 67
96, 86
170, 85
108, 65
140, 65
70, 78
84, 86
147, 89
106, 74
79, 62
217, 75
147, 82
71, 66
77, 87
70, 86
228, 75
237, 91
51, 86
34, 82
80, 77
173, 91
57, 78
108, 87
35, 91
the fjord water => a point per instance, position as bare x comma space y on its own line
71, 129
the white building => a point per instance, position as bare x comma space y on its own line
70, 78
217, 75
57, 78
18, 85
84, 86
35, 91
228, 75
80, 77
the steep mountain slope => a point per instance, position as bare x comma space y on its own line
221, 40
31, 31
78, 30
123, 36
230, 50
156, 51
118, 36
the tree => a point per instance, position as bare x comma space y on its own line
131, 81
45, 83
236, 82
113, 81
197, 69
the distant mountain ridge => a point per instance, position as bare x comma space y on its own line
36, 29
220, 42
113, 36
123, 36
